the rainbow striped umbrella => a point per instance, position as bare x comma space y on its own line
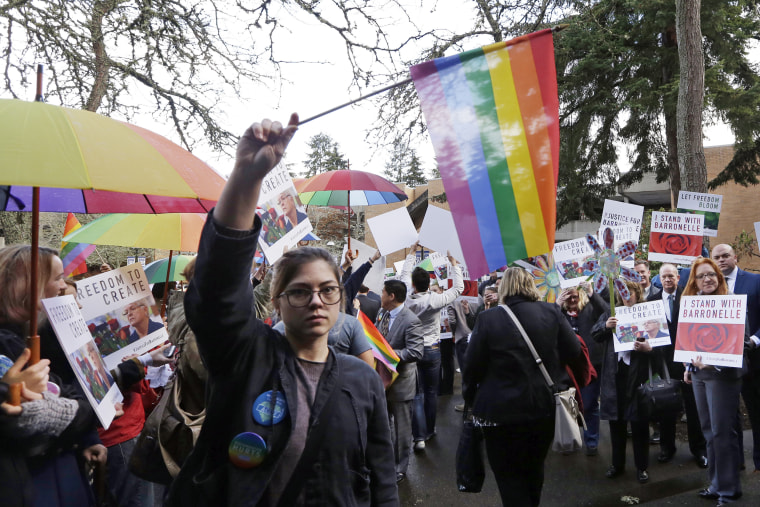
349, 188
87, 163
493, 116
156, 271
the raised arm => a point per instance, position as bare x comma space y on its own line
218, 304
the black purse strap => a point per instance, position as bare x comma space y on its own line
314, 442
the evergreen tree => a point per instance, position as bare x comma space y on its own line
324, 156
618, 74
415, 176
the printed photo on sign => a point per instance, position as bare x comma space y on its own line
91, 372
643, 321
569, 257
121, 314
711, 327
707, 205
675, 237
283, 218
625, 221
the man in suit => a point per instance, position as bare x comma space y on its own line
367, 305
742, 282
403, 332
671, 297
642, 268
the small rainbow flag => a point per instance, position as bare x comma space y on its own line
493, 117
74, 255
386, 359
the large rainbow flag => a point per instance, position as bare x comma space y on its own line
386, 359
493, 117
74, 255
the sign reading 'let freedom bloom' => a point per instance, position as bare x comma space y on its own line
675, 237
711, 327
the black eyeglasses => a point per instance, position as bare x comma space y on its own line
708, 275
298, 298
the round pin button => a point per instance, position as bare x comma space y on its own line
262, 409
247, 450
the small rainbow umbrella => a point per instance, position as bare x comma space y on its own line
156, 271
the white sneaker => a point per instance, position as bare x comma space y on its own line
419, 446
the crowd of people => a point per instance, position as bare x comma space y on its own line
283, 398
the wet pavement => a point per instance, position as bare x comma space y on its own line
570, 480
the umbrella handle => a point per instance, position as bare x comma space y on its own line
33, 343
166, 285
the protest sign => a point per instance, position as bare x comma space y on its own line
376, 274
390, 273
625, 221
445, 327
643, 321
83, 356
120, 312
569, 257
283, 219
757, 233
439, 233
675, 237
441, 265
707, 205
393, 231
398, 266
711, 327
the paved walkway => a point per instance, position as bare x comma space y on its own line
570, 480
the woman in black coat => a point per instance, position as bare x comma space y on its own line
506, 391
622, 373
582, 307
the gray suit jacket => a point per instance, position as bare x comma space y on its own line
405, 337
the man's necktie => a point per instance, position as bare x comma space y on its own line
385, 322
670, 303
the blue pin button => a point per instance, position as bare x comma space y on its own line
262, 409
247, 450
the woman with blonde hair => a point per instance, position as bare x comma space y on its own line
504, 387
582, 307
716, 391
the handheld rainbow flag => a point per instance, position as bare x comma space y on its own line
386, 359
493, 117
74, 255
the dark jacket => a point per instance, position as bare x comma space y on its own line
638, 373
355, 464
502, 382
368, 306
21, 458
585, 322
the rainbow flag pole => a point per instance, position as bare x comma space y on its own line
74, 255
386, 359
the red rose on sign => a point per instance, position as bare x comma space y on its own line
675, 244
716, 338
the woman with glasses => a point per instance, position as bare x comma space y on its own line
288, 421
716, 391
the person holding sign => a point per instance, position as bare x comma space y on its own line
716, 390
622, 373
287, 418
39, 462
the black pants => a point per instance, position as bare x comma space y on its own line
447, 367
697, 444
618, 429
751, 395
516, 454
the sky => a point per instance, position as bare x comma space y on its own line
319, 79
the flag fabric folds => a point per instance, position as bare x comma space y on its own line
493, 117
74, 255
386, 359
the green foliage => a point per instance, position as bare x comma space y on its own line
404, 165
324, 156
745, 245
617, 71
